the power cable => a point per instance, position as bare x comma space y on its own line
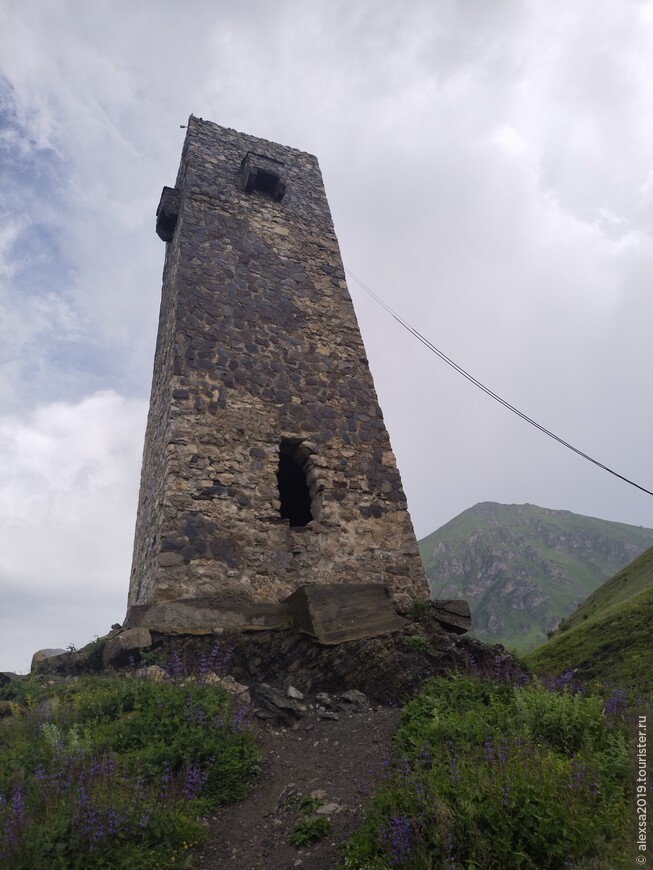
461, 371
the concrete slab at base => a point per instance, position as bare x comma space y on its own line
203, 616
332, 613
336, 613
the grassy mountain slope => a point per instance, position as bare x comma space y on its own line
609, 636
636, 577
523, 568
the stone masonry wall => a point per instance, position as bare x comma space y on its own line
258, 342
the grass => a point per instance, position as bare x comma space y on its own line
117, 772
636, 577
492, 776
614, 646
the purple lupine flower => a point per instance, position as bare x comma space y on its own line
489, 749
203, 668
616, 703
399, 838
220, 661
505, 790
194, 713
18, 809
418, 786
404, 768
114, 820
448, 845
503, 749
239, 720
194, 781
455, 773
386, 765
174, 666
473, 666
166, 778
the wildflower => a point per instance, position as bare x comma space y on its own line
448, 845
616, 703
399, 839
194, 781
175, 666
18, 809
166, 778
489, 749
239, 718
578, 771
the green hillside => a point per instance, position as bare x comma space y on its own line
524, 568
614, 647
636, 577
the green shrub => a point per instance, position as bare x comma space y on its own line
117, 772
492, 776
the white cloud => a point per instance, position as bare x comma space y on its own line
68, 487
489, 170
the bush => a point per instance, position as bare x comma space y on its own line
493, 776
117, 772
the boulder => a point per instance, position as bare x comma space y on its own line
119, 649
453, 614
47, 659
355, 700
274, 703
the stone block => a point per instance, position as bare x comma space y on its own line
205, 615
453, 614
334, 613
118, 650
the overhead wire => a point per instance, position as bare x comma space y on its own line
461, 371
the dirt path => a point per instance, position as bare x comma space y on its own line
339, 759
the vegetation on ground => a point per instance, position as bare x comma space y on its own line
614, 646
117, 771
492, 775
309, 827
636, 577
608, 637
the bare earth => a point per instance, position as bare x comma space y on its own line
343, 758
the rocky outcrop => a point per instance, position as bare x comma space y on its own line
523, 568
118, 649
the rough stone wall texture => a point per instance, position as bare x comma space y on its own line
258, 341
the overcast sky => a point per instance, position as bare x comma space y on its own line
489, 167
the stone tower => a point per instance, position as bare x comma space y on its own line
267, 464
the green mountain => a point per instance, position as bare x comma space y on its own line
609, 636
524, 568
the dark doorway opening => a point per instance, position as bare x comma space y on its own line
293, 488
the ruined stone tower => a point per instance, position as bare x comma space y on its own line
267, 464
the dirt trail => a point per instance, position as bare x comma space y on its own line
342, 758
